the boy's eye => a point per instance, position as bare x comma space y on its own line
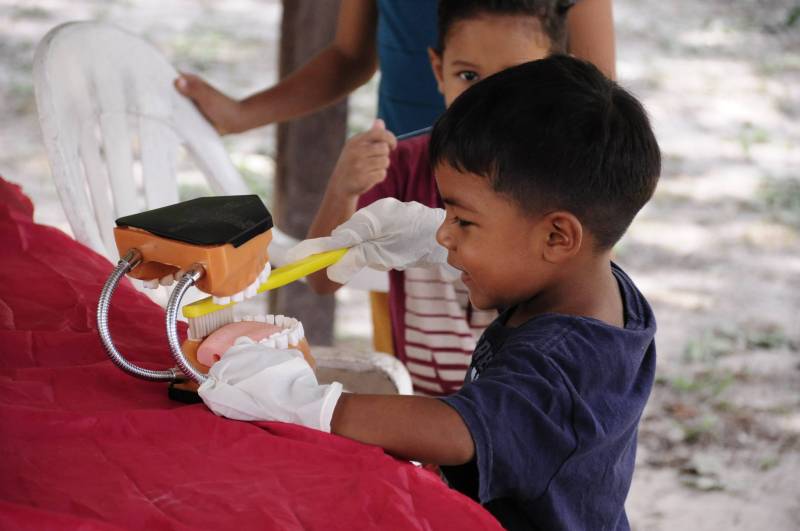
468, 75
461, 222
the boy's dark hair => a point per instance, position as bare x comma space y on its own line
555, 134
552, 15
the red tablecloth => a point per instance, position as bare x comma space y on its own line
83, 445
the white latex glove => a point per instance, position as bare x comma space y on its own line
388, 234
255, 382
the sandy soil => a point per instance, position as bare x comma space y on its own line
717, 251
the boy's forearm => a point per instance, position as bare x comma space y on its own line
590, 25
335, 209
327, 78
346, 64
410, 427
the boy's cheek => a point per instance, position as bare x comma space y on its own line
479, 300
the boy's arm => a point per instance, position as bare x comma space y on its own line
344, 65
362, 164
410, 427
256, 382
590, 24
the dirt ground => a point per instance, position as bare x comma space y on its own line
717, 251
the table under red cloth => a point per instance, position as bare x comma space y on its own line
83, 445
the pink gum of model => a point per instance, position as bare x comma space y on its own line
214, 346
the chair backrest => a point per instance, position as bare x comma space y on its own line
351, 366
106, 105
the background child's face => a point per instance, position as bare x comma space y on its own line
490, 240
478, 47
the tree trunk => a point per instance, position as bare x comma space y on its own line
307, 151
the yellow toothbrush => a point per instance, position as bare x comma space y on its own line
205, 315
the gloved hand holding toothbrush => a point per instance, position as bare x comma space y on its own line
388, 234
255, 382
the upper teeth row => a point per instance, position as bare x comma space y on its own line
291, 334
248, 292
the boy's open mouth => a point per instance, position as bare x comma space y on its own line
465, 277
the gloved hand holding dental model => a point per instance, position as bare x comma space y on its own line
255, 382
388, 234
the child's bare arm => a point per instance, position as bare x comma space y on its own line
411, 427
362, 164
344, 65
224, 112
256, 382
591, 34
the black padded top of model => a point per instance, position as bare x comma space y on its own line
233, 219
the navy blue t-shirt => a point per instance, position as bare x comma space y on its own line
408, 99
553, 407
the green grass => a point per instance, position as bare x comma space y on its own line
258, 183
710, 345
708, 383
769, 462
697, 430
751, 135
717, 342
188, 191
792, 16
781, 198
30, 12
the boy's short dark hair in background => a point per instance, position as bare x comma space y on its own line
555, 134
552, 14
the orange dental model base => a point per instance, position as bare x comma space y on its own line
228, 236
229, 269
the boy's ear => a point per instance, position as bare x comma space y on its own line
436, 66
564, 236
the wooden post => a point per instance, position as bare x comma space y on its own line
307, 152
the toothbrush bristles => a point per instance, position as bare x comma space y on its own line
200, 327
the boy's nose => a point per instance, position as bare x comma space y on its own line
444, 237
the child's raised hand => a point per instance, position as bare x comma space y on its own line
363, 161
223, 112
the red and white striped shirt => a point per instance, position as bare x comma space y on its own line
441, 330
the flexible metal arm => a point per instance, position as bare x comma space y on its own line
188, 280
131, 259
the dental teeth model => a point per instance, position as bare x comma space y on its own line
247, 293
273, 331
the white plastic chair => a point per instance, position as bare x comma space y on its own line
106, 101
362, 371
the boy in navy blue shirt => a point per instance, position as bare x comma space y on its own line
541, 168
